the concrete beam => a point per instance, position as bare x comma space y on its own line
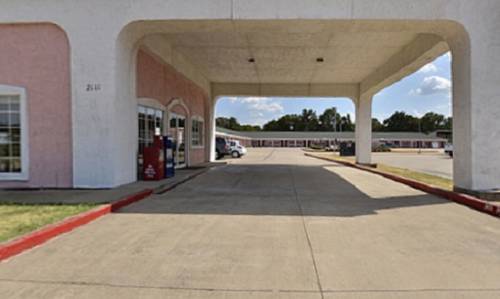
285, 90
422, 50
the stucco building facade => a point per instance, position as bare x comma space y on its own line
74, 74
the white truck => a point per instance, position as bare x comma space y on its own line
448, 149
237, 150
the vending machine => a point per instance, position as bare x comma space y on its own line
154, 161
169, 157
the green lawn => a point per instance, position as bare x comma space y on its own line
430, 179
16, 220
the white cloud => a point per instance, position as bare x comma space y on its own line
253, 100
254, 104
260, 110
417, 113
445, 109
433, 85
232, 99
428, 68
267, 107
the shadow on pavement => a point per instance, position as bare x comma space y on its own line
275, 190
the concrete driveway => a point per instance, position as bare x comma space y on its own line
274, 224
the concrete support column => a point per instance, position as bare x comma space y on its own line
364, 129
104, 111
476, 108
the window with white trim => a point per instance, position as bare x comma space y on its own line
150, 125
197, 132
13, 137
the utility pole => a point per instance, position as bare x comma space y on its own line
334, 119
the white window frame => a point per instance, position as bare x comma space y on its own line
201, 138
8, 90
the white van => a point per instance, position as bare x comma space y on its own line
237, 150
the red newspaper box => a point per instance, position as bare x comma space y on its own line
153, 166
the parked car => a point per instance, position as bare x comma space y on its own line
332, 148
381, 148
237, 150
222, 147
448, 149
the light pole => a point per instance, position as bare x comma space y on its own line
419, 133
334, 119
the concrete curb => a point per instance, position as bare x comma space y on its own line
50, 231
464, 199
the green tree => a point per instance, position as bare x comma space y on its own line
308, 121
346, 124
448, 123
328, 119
232, 123
289, 122
377, 126
401, 122
431, 122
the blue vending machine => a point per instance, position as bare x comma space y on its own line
169, 157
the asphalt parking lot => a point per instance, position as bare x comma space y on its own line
274, 224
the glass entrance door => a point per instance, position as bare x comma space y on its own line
177, 130
150, 125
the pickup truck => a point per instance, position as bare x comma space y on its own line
237, 150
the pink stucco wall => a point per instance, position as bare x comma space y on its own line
160, 81
36, 57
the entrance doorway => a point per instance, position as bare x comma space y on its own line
150, 125
177, 130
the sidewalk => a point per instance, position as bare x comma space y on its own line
101, 196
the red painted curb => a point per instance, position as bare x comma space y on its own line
130, 199
44, 234
464, 199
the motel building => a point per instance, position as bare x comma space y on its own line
325, 139
86, 85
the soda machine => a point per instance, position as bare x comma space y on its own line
154, 161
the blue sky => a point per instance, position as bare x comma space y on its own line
428, 89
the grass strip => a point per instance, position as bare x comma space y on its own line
425, 178
19, 219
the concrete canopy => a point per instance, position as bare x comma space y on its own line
287, 52
398, 36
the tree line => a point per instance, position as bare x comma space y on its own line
330, 120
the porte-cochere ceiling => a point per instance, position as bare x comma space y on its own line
307, 52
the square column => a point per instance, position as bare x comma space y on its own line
364, 129
476, 109
211, 127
